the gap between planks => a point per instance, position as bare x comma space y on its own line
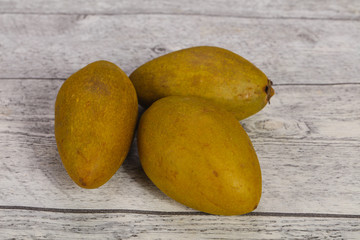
184, 14
275, 84
181, 213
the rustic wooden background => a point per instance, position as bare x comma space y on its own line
307, 140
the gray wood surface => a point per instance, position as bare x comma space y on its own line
287, 50
307, 139
96, 225
320, 9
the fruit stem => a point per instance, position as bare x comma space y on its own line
269, 91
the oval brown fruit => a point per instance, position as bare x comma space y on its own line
199, 155
95, 115
219, 75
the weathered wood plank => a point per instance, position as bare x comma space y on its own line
287, 50
323, 9
323, 113
309, 114
21, 224
307, 141
296, 178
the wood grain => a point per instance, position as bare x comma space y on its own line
287, 50
321, 9
49, 225
308, 153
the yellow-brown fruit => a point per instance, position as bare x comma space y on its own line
219, 75
95, 115
199, 155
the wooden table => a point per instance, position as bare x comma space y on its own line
307, 139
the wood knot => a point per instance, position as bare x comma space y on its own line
159, 50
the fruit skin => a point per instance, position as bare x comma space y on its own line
217, 74
95, 116
199, 155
